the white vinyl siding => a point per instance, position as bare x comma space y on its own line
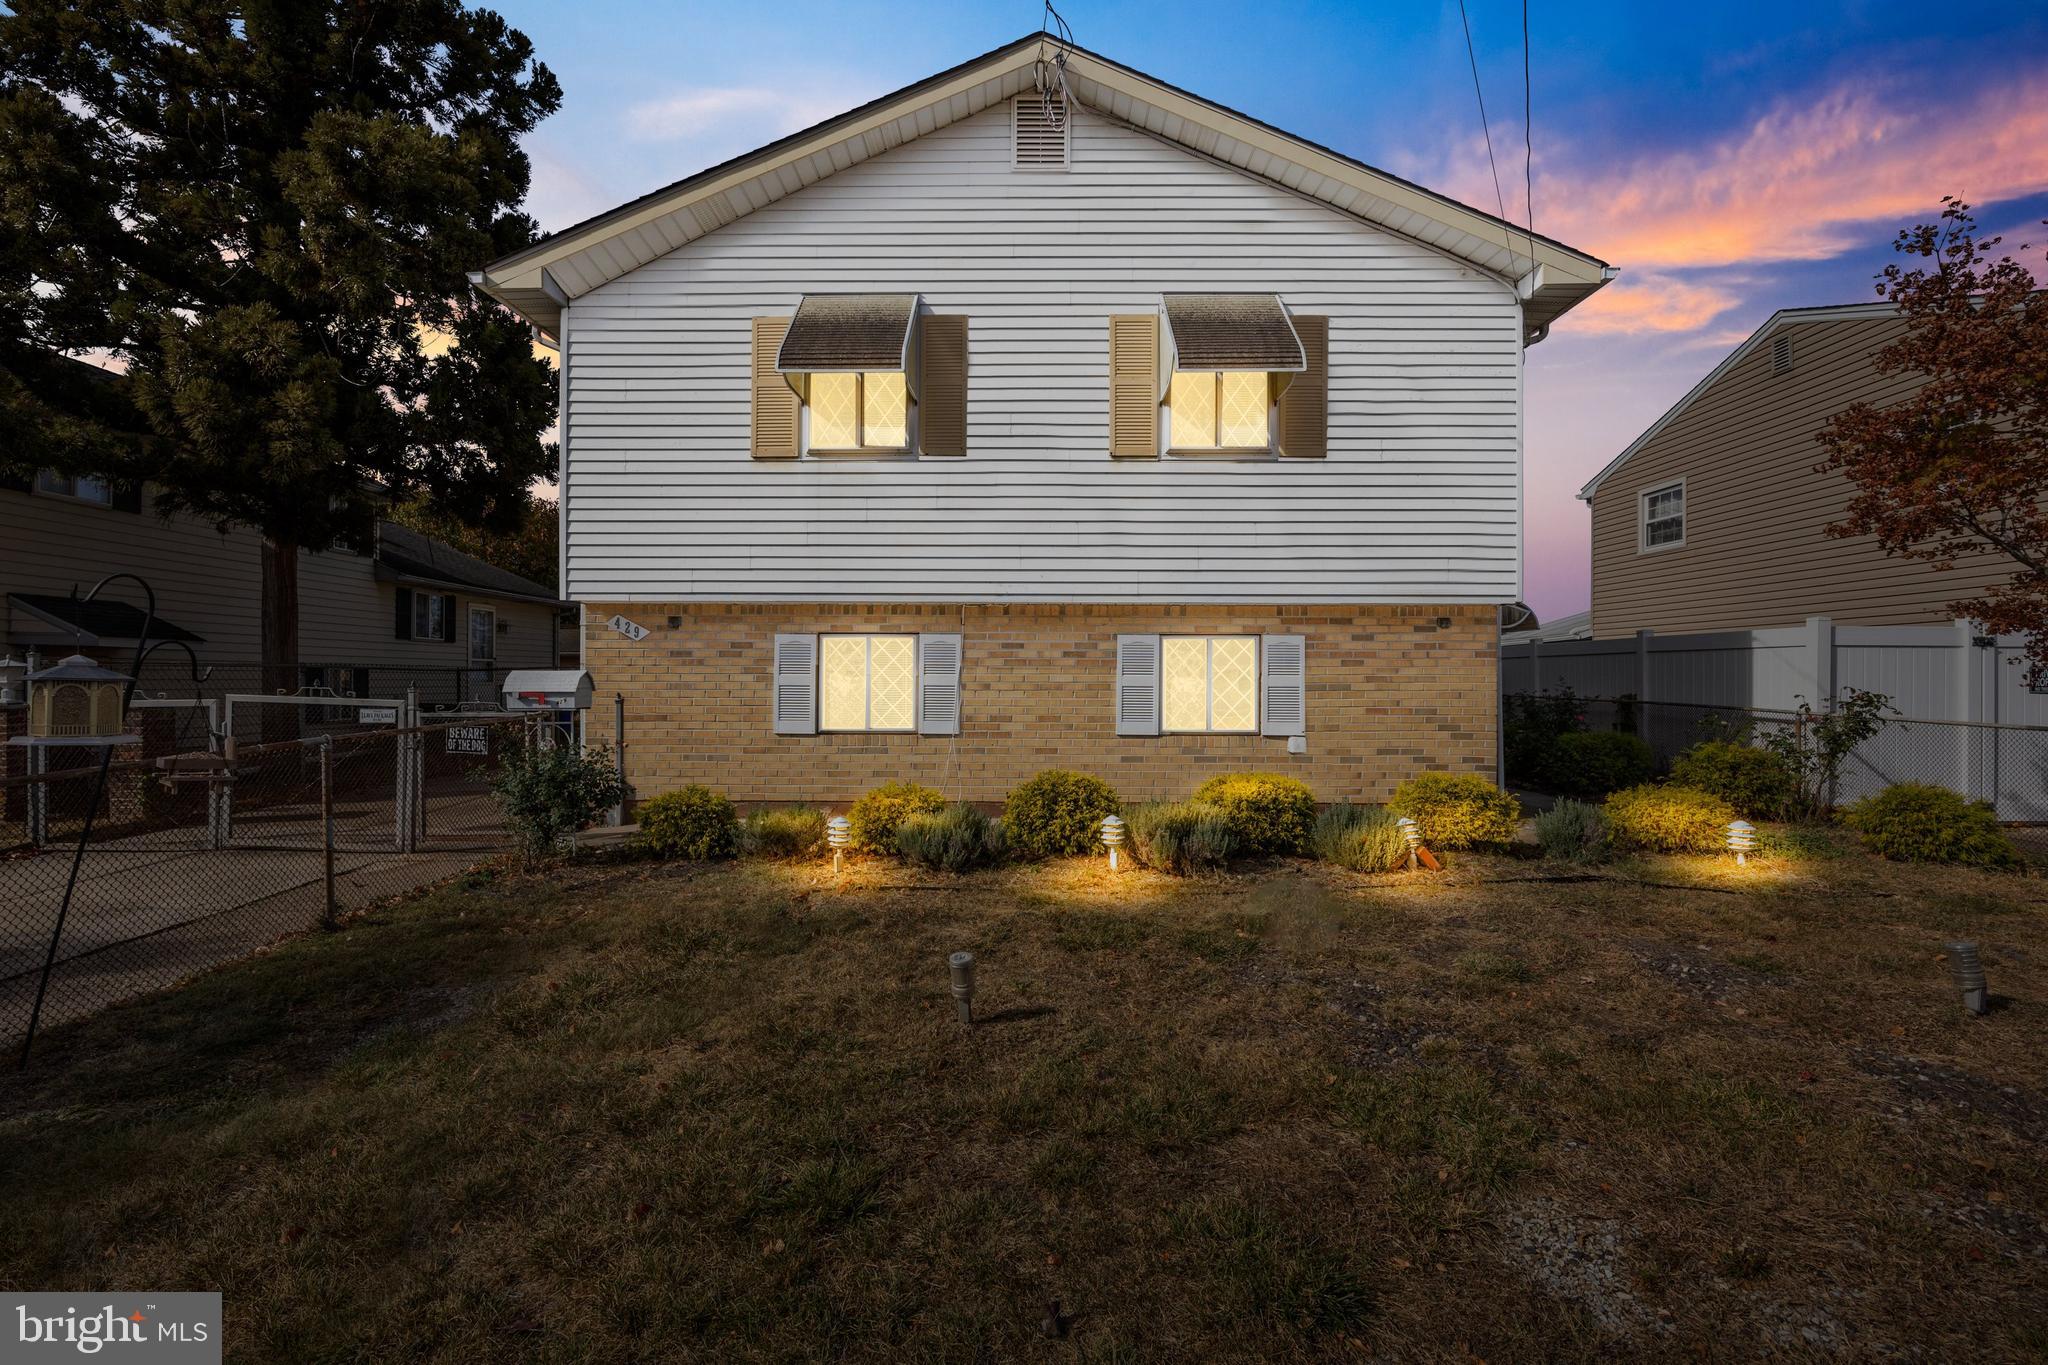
1416, 501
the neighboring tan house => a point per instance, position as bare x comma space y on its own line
973, 433
1716, 519
409, 609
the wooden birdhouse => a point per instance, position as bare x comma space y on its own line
76, 699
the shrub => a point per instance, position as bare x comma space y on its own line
1181, 836
954, 840
782, 832
875, 818
1362, 838
1596, 762
692, 822
1759, 783
1058, 814
1462, 811
1573, 832
547, 793
1268, 812
1530, 723
1669, 819
1921, 823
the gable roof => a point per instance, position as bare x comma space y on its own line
407, 556
538, 281
1784, 317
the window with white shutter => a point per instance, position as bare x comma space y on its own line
1283, 694
796, 685
938, 684
1137, 684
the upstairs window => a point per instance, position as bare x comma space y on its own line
1228, 356
1663, 517
851, 356
1220, 410
865, 411
80, 488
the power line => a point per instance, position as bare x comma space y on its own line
1499, 199
1528, 139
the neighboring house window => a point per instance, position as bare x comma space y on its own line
1220, 410
342, 682
81, 488
1209, 684
483, 635
867, 682
1663, 512
866, 411
430, 616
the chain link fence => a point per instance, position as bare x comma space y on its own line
2006, 765
193, 859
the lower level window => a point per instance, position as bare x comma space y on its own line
83, 488
867, 682
1209, 684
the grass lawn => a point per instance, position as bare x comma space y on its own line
1663, 1110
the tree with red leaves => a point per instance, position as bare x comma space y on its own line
1960, 468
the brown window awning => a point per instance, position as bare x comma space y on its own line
1233, 332
840, 332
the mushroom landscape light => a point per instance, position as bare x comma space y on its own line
1112, 837
1412, 833
838, 834
1741, 841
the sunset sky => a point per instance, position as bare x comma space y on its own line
1732, 158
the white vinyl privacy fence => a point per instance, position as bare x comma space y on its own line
1964, 714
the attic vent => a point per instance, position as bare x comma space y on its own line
1781, 355
1039, 144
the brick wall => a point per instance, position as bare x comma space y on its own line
1391, 692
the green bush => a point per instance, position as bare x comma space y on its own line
877, 816
1920, 823
783, 832
1268, 812
1530, 723
547, 793
1573, 832
1759, 783
954, 840
1596, 762
1180, 836
1461, 811
1058, 814
693, 822
1362, 838
1669, 819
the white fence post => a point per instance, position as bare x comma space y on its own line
1820, 652
1972, 705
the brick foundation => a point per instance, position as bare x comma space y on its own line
1391, 692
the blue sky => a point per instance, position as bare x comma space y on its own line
1731, 158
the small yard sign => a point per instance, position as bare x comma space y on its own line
470, 739
377, 715
632, 630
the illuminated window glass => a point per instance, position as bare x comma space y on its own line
1664, 516
1220, 410
867, 682
1209, 684
860, 411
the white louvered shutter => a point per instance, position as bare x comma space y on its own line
796, 684
1283, 690
938, 684
1137, 684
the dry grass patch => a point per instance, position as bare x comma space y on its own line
725, 1112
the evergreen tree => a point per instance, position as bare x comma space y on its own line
266, 212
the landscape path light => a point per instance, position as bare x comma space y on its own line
838, 834
1112, 837
962, 967
1968, 969
1741, 841
1411, 834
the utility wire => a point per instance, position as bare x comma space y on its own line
1528, 139
1499, 199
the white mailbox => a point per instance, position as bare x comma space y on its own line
547, 689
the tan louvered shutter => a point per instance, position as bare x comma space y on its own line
942, 397
1134, 385
1305, 406
776, 408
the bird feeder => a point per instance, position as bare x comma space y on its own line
1112, 837
77, 700
1741, 841
838, 834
